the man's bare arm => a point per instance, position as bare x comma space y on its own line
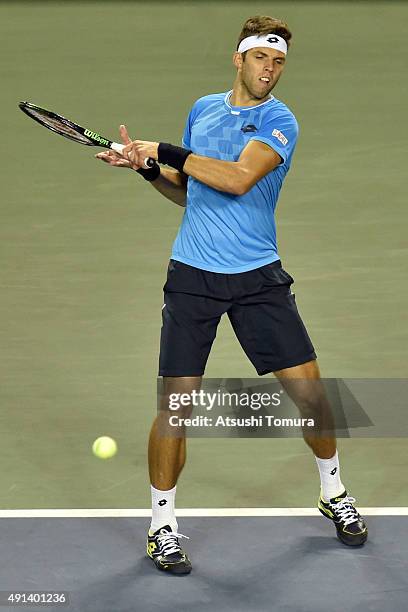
238, 177
256, 160
172, 184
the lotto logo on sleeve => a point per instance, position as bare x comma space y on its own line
280, 137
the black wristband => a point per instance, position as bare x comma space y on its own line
150, 174
172, 156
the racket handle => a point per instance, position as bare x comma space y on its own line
148, 161
115, 146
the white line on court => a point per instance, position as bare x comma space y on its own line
186, 512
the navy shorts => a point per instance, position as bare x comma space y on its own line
259, 304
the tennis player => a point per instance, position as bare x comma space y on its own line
236, 150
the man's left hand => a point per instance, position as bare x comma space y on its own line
138, 150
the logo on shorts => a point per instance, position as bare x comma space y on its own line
280, 137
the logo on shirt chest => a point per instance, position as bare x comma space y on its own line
249, 128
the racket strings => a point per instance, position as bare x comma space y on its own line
59, 125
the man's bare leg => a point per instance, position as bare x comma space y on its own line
167, 451
322, 447
167, 456
334, 502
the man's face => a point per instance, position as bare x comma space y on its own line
260, 71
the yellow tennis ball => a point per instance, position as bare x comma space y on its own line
104, 447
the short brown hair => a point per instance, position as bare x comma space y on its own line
261, 25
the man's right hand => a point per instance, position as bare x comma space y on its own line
114, 159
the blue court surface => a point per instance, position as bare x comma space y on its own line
240, 563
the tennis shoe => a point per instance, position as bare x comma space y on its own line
350, 526
164, 549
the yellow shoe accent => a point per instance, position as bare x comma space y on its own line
325, 510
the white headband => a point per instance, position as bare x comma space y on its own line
273, 41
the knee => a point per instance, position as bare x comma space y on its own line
312, 405
177, 395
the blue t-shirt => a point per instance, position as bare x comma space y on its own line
222, 232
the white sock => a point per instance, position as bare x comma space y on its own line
163, 509
329, 470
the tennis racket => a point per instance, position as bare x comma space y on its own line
73, 131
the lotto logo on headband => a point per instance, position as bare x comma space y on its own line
273, 41
280, 137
